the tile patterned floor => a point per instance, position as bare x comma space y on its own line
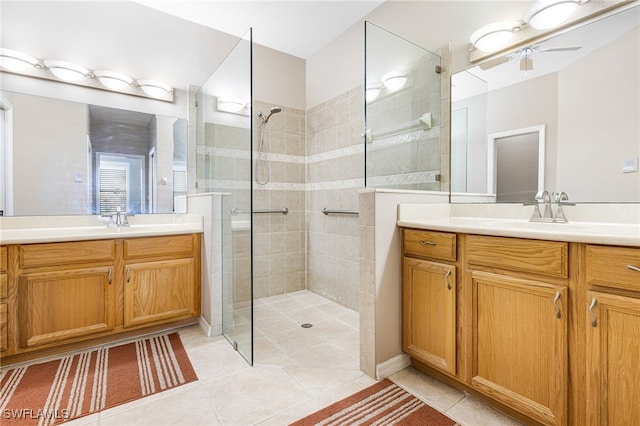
297, 371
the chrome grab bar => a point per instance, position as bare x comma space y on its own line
234, 211
326, 211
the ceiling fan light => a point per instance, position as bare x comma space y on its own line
113, 80
546, 14
65, 70
494, 36
13, 60
154, 88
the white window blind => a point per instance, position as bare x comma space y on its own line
113, 190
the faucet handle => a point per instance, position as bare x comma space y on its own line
562, 198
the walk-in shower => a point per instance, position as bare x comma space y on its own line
263, 168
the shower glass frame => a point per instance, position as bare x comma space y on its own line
224, 159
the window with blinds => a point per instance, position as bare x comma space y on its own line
113, 190
179, 182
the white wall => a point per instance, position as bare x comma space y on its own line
48, 157
278, 78
599, 103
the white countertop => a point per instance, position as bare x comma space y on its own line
43, 229
509, 222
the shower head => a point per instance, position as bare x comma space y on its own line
265, 118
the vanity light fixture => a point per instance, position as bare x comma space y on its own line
13, 60
154, 88
494, 36
233, 105
113, 80
394, 80
66, 70
546, 14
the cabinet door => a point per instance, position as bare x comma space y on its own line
520, 345
429, 313
60, 305
613, 360
159, 291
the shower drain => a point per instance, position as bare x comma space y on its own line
306, 325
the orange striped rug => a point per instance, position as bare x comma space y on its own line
384, 403
92, 381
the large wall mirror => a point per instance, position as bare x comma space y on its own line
582, 86
74, 158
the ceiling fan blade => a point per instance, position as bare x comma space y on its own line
560, 49
493, 63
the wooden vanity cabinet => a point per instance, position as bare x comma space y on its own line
65, 291
69, 292
160, 279
519, 324
4, 305
429, 295
613, 335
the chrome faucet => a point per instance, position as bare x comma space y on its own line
561, 199
120, 219
548, 214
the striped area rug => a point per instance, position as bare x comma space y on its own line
92, 381
384, 403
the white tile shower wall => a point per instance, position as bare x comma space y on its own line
279, 240
334, 176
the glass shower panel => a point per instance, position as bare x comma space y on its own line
402, 113
223, 165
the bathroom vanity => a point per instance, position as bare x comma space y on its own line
542, 323
68, 286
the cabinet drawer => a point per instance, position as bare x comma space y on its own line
3, 259
436, 245
173, 245
514, 254
54, 254
617, 267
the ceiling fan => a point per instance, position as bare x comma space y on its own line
525, 55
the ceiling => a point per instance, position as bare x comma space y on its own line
297, 27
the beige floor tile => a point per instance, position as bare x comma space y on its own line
252, 396
322, 355
471, 412
215, 360
188, 407
432, 391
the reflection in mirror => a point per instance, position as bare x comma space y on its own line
515, 167
73, 158
402, 113
583, 86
